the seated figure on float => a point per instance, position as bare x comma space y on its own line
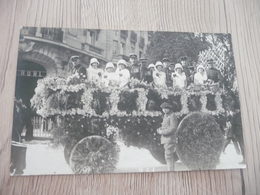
179, 77
200, 77
123, 73
94, 74
110, 77
159, 76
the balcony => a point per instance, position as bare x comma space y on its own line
28, 31
55, 34
141, 43
117, 57
123, 34
150, 34
92, 48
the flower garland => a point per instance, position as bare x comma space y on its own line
64, 86
184, 103
203, 100
86, 99
142, 99
218, 101
114, 99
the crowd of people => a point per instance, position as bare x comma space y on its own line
161, 74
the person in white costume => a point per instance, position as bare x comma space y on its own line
110, 77
94, 73
159, 76
179, 77
201, 76
123, 73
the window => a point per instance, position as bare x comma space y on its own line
150, 33
122, 48
141, 42
132, 47
73, 32
92, 38
115, 47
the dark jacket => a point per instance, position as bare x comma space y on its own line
147, 76
214, 75
136, 71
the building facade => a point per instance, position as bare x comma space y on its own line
46, 52
53, 47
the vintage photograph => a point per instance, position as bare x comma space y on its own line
92, 101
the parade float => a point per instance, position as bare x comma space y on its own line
90, 119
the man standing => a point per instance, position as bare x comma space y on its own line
135, 68
169, 70
184, 64
77, 67
168, 132
166, 63
213, 74
145, 72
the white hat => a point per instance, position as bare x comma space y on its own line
132, 55
151, 66
94, 60
159, 63
200, 66
74, 57
121, 62
110, 65
178, 65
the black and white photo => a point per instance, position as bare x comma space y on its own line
91, 101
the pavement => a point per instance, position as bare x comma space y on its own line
42, 159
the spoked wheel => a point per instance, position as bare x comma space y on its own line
68, 148
94, 154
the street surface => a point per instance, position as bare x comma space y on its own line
41, 159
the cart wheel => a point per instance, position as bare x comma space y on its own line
200, 141
158, 154
68, 148
94, 154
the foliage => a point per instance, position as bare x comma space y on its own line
174, 45
52, 99
200, 141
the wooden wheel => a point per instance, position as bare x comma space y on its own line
68, 148
158, 154
94, 154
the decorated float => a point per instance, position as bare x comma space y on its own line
90, 119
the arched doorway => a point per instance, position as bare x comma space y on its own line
28, 73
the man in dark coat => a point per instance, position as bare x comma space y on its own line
77, 67
213, 74
185, 69
146, 73
135, 67
169, 71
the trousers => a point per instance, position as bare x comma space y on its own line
169, 149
